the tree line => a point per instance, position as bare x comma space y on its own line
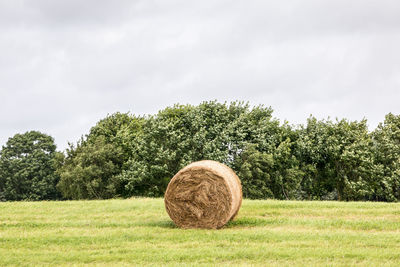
126, 155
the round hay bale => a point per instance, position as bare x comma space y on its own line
204, 194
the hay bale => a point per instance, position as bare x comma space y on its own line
204, 194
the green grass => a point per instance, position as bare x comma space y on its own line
139, 232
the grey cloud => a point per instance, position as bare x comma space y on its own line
66, 64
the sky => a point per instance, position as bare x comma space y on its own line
66, 64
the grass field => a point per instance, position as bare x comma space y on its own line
139, 232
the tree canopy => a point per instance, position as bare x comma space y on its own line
125, 155
27, 167
90, 168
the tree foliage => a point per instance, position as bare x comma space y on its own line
177, 136
124, 155
386, 140
27, 167
90, 167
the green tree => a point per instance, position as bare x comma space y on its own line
90, 168
265, 159
175, 137
27, 167
386, 138
170, 140
254, 170
269, 175
181, 134
354, 162
337, 159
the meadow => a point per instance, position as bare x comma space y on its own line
139, 232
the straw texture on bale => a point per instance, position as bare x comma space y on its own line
204, 194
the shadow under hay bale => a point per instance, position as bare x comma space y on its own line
204, 194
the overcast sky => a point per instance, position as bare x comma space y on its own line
64, 65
